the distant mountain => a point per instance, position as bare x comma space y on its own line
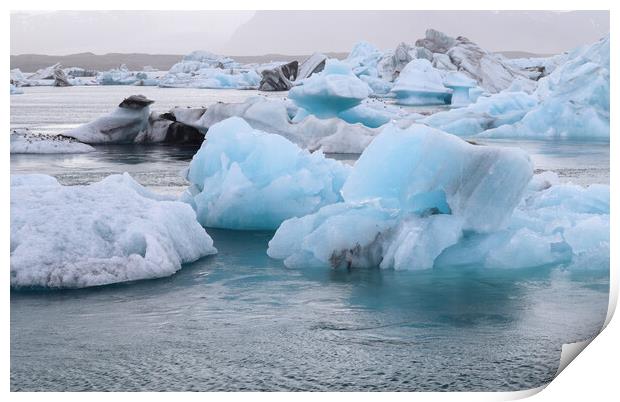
134, 61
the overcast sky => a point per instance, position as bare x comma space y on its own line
293, 32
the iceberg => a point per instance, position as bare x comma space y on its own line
412, 194
491, 71
573, 100
246, 179
16, 90
313, 64
460, 86
331, 91
554, 224
202, 69
420, 84
486, 113
331, 135
107, 232
117, 76
123, 125
363, 59
25, 142
279, 78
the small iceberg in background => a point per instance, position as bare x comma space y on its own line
107, 232
243, 178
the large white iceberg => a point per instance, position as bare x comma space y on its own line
573, 99
243, 178
107, 232
411, 195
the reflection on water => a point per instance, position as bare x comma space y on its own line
242, 321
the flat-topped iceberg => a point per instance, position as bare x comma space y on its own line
243, 178
107, 232
420, 84
411, 195
25, 142
331, 91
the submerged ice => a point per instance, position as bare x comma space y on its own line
107, 232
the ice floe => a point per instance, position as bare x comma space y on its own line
107, 232
244, 178
25, 142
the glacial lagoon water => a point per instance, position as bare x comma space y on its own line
242, 321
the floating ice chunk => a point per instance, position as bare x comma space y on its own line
331, 135
409, 197
117, 76
378, 86
331, 91
24, 142
16, 90
243, 178
420, 84
213, 78
574, 100
491, 71
486, 113
363, 59
422, 169
123, 125
107, 232
460, 85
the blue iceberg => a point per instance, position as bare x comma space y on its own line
411, 195
243, 178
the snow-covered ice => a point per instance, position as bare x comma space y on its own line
243, 178
107, 232
25, 142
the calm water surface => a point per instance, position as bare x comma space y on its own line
242, 321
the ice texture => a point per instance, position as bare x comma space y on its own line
574, 99
486, 113
25, 142
201, 69
331, 91
420, 84
411, 195
332, 135
244, 178
107, 232
121, 126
